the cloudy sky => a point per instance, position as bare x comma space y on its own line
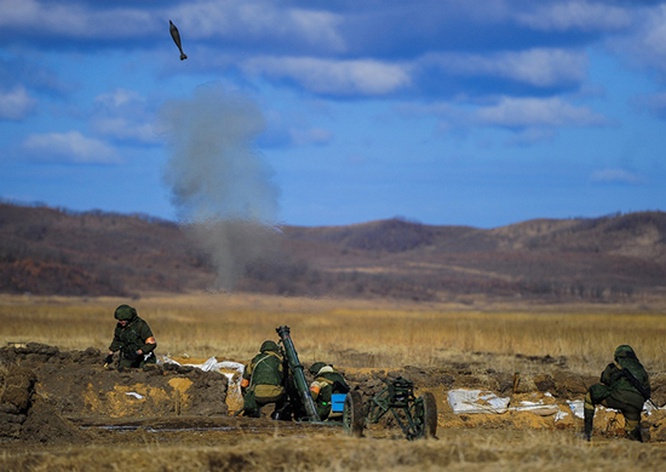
481, 113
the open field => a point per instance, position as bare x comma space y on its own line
388, 334
442, 346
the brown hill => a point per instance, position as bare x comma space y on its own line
51, 251
612, 258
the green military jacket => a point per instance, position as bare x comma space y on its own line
615, 384
265, 374
329, 382
132, 337
264, 369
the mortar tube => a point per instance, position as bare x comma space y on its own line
297, 371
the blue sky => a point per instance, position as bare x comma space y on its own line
450, 112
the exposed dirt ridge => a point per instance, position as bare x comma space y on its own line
48, 395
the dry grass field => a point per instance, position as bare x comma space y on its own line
389, 334
357, 336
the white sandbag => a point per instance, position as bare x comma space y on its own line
476, 401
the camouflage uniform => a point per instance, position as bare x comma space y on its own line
616, 391
263, 381
327, 382
132, 337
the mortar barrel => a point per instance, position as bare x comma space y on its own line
297, 371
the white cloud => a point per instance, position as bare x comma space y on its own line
16, 104
538, 67
19, 12
122, 114
531, 120
347, 77
616, 176
73, 20
118, 98
654, 32
647, 46
575, 15
541, 67
70, 147
529, 112
318, 27
124, 129
257, 20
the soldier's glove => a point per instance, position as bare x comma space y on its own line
108, 359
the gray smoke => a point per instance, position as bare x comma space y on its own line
220, 185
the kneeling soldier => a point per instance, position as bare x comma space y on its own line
263, 381
327, 381
624, 386
133, 338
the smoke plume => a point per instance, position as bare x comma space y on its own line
220, 185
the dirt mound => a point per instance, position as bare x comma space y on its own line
42, 388
550, 396
43, 424
18, 384
47, 395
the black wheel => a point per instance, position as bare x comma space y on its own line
353, 420
429, 415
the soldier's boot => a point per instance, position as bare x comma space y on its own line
283, 411
252, 413
588, 418
633, 430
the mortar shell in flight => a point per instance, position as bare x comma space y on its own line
175, 34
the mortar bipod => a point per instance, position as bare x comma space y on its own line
417, 417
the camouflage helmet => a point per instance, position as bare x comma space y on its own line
269, 346
625, 351
124, 313
316, 367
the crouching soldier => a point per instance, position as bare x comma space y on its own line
133, 338
263, 381
624, 386
327, 381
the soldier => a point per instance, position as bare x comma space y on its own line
263, 381
327, 381
624, 386
133, 338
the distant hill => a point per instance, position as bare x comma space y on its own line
612, 258
49, 251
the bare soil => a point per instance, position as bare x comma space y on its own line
59, 399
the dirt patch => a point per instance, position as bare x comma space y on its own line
47, 396
43, 388
18, 385
44, 424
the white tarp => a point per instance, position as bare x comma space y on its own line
223, 367
484, 401
476, 401
539, 407
576, 407
210, 364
